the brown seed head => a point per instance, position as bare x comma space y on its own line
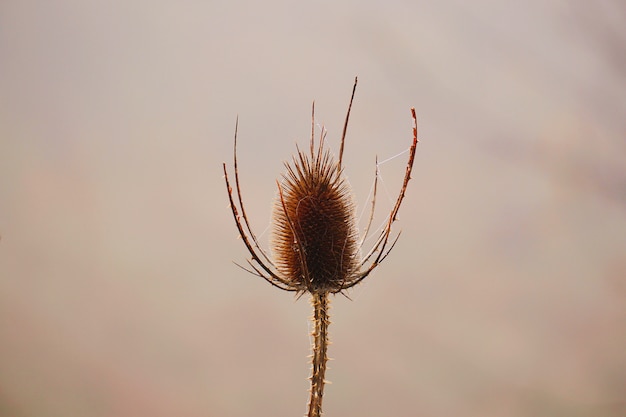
314, 237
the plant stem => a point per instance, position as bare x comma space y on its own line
320, 346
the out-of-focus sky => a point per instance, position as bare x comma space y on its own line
505, 296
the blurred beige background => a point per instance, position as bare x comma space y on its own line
505, 296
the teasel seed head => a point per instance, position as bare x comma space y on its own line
315, 235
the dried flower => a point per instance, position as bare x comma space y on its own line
315, 243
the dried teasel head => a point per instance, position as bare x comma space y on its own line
315, 235
315, 244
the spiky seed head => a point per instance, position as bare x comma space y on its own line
314, 236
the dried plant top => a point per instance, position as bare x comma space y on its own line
315, 242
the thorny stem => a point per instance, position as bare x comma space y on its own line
320, 346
